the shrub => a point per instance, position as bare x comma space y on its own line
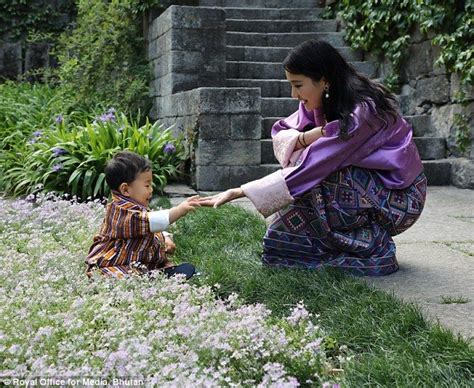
384, 27
103, 58
69, 158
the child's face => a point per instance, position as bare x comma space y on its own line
140, 189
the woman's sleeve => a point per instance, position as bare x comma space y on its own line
320, 159
285, 133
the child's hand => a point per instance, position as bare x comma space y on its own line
184, 208
170, 246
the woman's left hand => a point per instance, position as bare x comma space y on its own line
222, 198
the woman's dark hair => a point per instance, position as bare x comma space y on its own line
124, 167
317, 59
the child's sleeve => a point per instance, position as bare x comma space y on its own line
159, 220
124, 223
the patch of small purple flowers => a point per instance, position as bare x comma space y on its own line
169, 148
59, 119
58, 151
36, 135
108, 116
57, 167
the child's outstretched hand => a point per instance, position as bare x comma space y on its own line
184, 208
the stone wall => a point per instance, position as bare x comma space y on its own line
222, 125
429, 89
18, 56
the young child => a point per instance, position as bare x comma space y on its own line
131, 238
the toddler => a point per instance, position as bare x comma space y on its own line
131, 238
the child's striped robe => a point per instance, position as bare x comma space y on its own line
125, 243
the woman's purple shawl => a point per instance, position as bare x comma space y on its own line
390, 151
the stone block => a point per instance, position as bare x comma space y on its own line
228, 153
185, 103
214, 178
184, 125
457, 89
182, 17
10, 60
419, 60
421, 125
431, 148
438, 172
37, 56
222, 100
442, 119
462, 173
432, 90
246, 126
214, 126
218, 178
198, 40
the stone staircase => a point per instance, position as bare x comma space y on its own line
259, 34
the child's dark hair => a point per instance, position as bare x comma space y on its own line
347, 87
124, 168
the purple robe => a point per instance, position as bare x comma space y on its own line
389, 151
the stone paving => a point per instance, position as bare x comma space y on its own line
436, 257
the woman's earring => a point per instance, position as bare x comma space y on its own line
326, 89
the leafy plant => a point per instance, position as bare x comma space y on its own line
103, 58
71, 158
383, 27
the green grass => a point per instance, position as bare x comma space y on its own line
394, 345
454, 299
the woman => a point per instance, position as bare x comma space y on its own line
351, 175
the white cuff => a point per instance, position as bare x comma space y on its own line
268, 194
159, 220
284, 143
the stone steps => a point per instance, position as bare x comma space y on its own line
273, 13
430, 148
266, 26
278, 107
438, 172
274, 70
290, 39
259, 3
277, 54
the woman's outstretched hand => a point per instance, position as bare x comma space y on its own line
222, 198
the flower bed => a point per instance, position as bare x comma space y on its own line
55, 322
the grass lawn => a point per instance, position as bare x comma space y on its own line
52, 317
394, 345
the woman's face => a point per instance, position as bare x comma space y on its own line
306, 90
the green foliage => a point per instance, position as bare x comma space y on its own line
46, 148
383, 27
457, 50
20, 18
103, 58
25, 108
463, 131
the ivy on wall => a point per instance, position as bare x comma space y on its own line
383, 27
22, 18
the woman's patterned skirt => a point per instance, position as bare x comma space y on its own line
345, 222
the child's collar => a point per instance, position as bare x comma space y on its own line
117, 197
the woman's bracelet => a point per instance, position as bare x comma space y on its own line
299, 141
